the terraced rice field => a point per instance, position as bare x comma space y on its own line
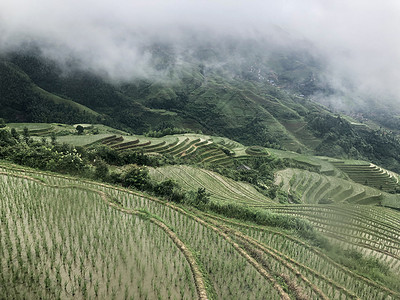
334, 221
370, 175
38, 129
318, 188
68, 238
78, 140
373, 231
220, 188
198, 148
190, 147
369, 229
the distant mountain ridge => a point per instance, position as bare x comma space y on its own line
258, 101
213, 100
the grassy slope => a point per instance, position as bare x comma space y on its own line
25, 89
59, 100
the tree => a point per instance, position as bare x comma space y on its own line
53, 138
2, 123
101, 171
80, 129
15, 134
6, 138
26, 134
202, 197
165, 188
136, 177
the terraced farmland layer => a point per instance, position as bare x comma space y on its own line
195, 147
257, 151
370, 175
318, 188
34, 128
87, 140
68, 238
189, 147
66, 242
334, 280
372, 230
220, 188
67, 133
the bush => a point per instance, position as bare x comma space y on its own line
202, 197
137, 177
101, 171
80, 129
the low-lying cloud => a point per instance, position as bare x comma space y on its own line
358, 40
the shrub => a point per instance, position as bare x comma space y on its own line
101, 171
137, 177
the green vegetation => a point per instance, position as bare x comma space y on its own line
370, 174
113, 264
198, 254
165, 130
316, 188
264, 110
219, 224
183, 183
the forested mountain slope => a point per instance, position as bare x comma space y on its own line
257, 101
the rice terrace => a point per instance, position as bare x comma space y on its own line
71, 237
210, 150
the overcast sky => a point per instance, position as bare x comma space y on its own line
359, 38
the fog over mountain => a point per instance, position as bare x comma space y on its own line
357, 41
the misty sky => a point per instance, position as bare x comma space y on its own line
359, 39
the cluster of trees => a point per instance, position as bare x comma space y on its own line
23, 150
167, 131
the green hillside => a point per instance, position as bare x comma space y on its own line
98, 240
22, 100
270, 109
189, 216
246, 110
214, 176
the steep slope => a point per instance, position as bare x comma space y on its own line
251, 100
22, 100
207, 99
